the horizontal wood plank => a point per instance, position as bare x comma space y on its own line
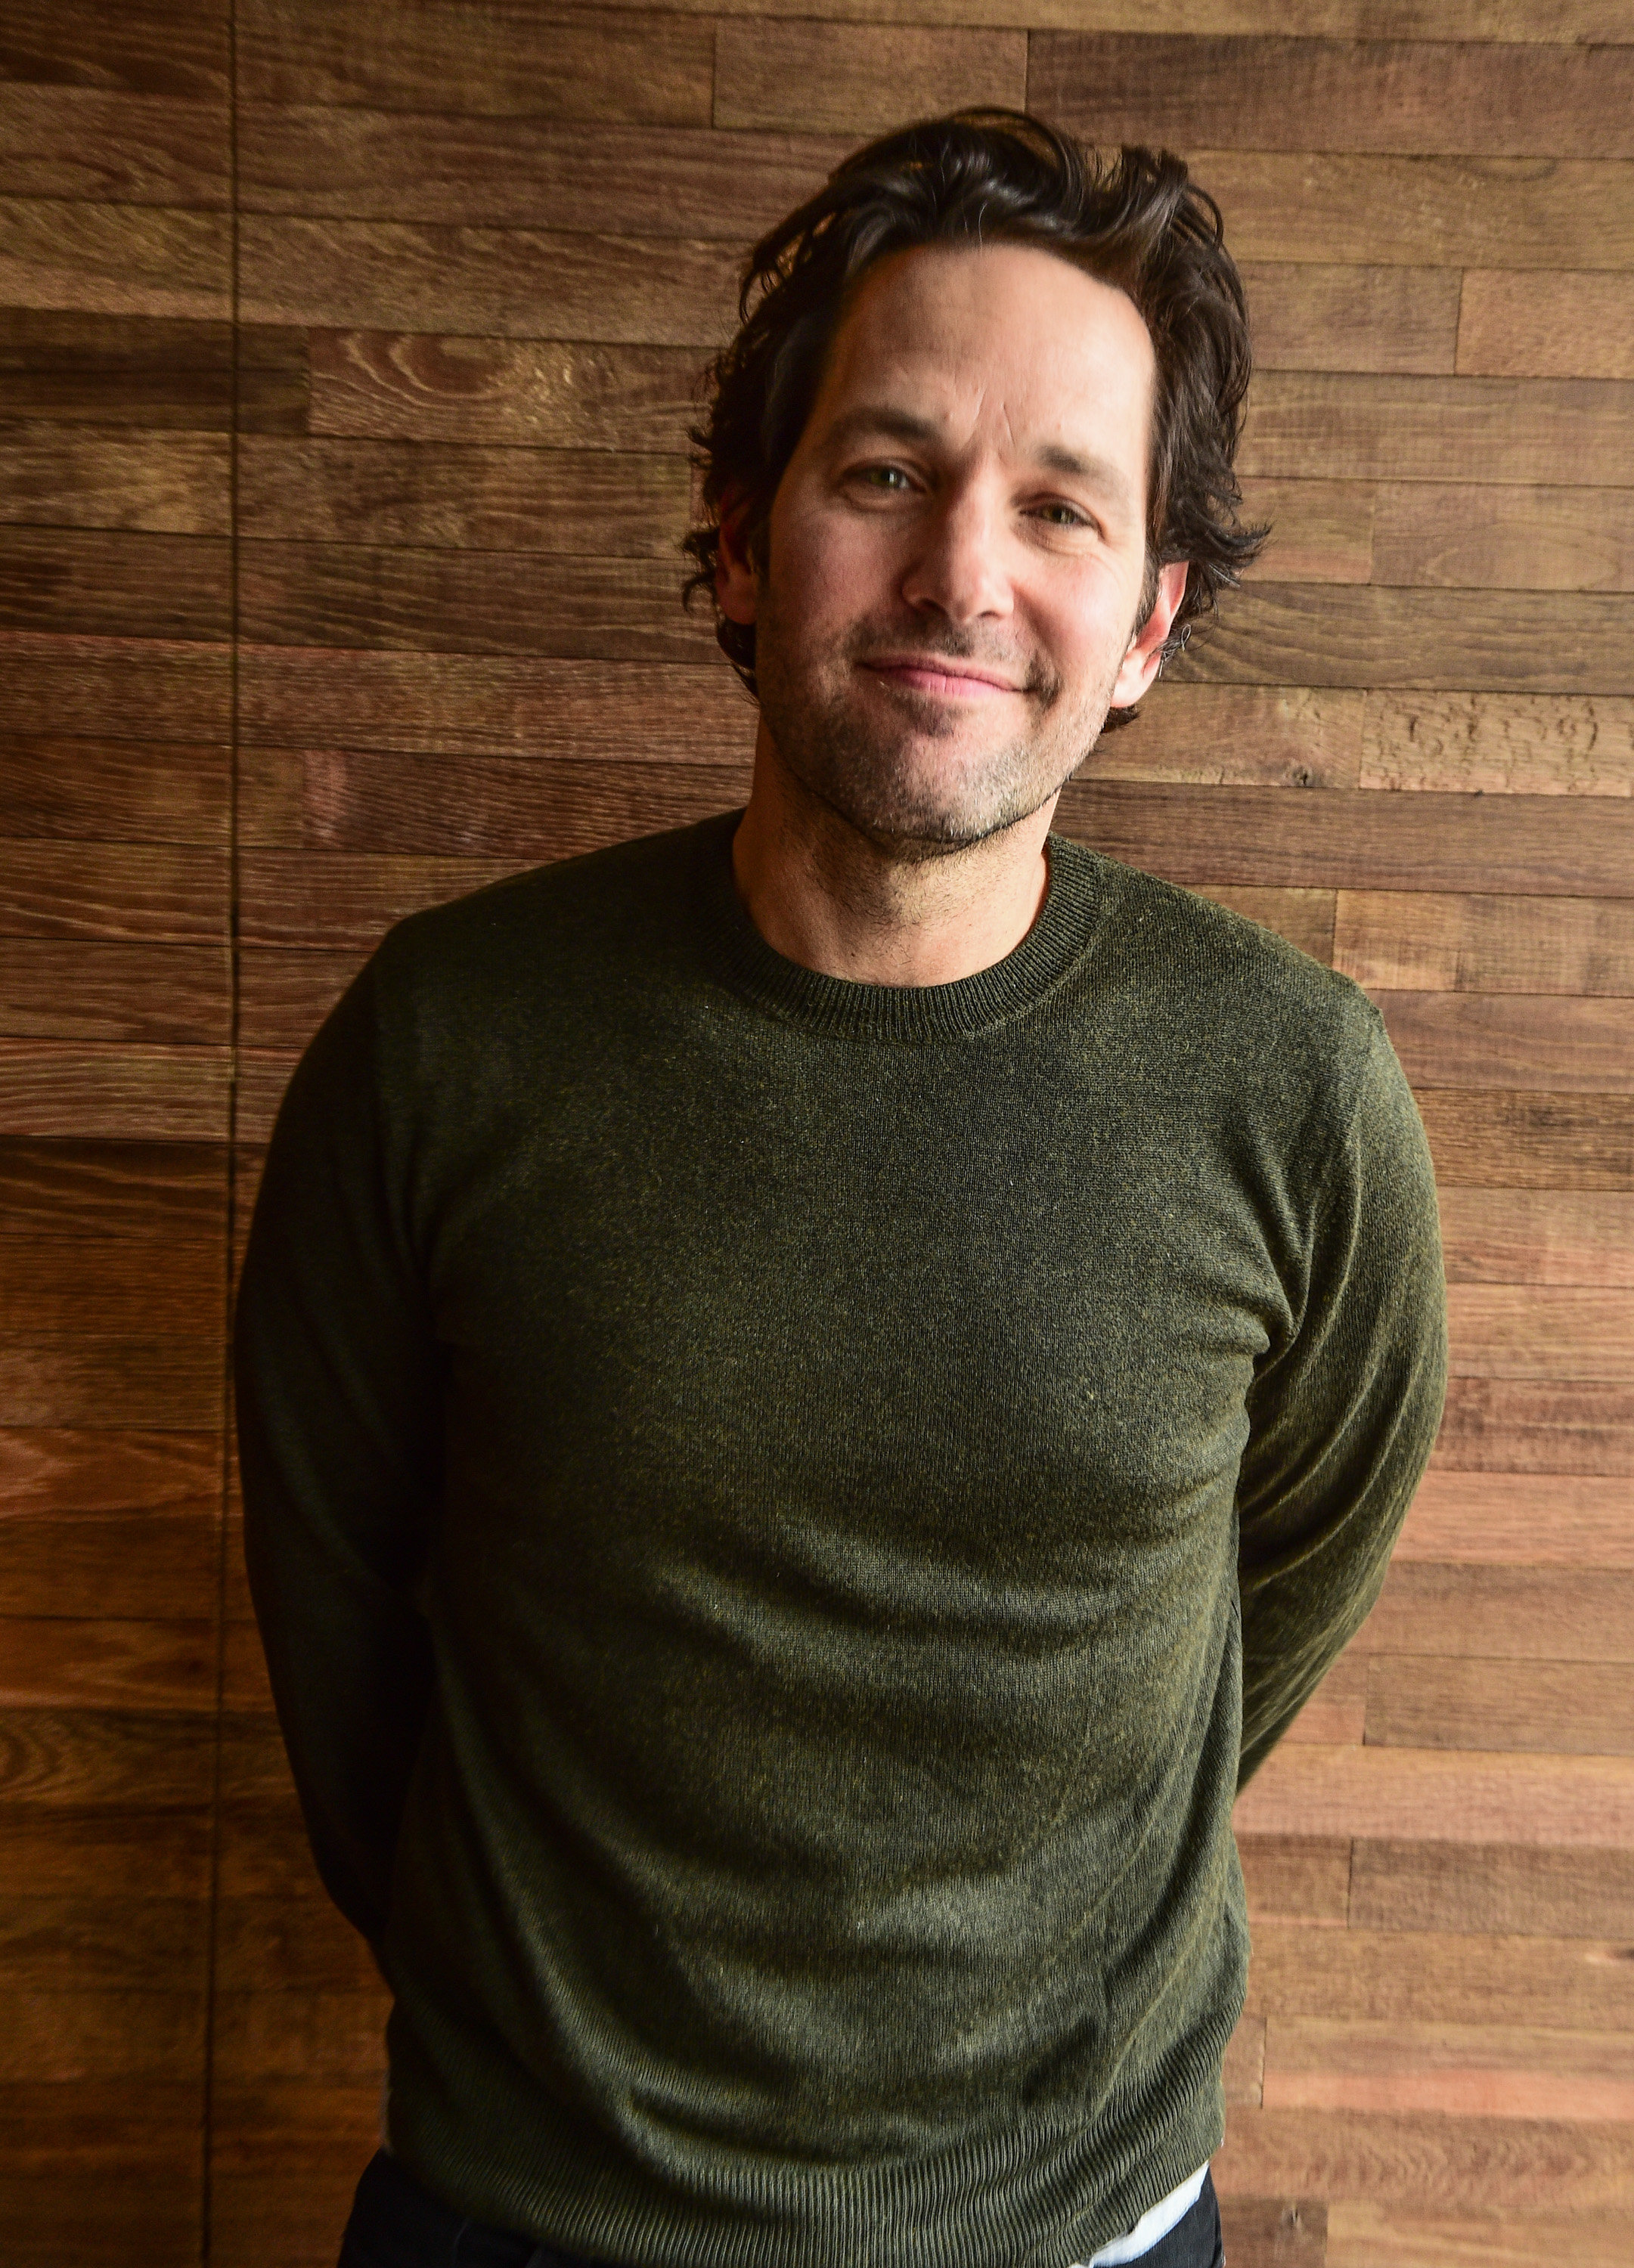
1574, 1983
59, 988
1304, 917
118, 1943
1320, 531
1491, 2071
114, 1093
139, 1565
268, 1944
1539, 1613
490, 60
57, 1286
158, 1191
345, 899
154, 372
286, 992
1483, 100
107, 582
53, 1661
1431, 2160
118, 688
78, 1759
1484, 1137
177, 47
859, 78
1499, 1890
1517, 1520
1461, 1795
141, 2036
117, 148
1309, 315
1360, 2232
1498, 744
1589, 20
114, 260
407, 386
1307, 424
162, 484
1237, 736
1540, 1331
1546, 326
295, 2035
113, 790
1303, 1878
1479, 536
1430, 941
111, 892
1579, 1708
56, 1852
124, 1384
1521, 1039
1536, 1236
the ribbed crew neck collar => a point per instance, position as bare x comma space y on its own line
836, 1005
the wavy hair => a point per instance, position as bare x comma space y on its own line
1134, 218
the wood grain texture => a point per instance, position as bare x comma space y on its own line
62, 1284
1295, 1877
1538, 1331
1477, 2163
161, 485
122, 689
1476, 537
1564, 1044
1557, 1708
1491, 2071
1487, 1137
116, 149
514, 282
1539, 1613
176, 47
114, 259
55, 1661
158, 1192
1484, 99
1493, 1889
61, 988
117, 1094
1237, 736
113, 892
112, 790
859, 79
1527, 1236
124, 1383
498, 59
103, 583
406, 386
1320, 531
153, 372
1308, 315
1470, 1795
1589, 21
1429, 2236
1546, 326
1307, 424
1517, 1520
1431, 941
1570, 1984
1498, 744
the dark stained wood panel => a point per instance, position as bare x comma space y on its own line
161, 484
80, 1759
137, 689
1316, 425
59, 1852
1552, 846
122, 149
159, 1191
1304, 917
1508, 1890
1532, 1236
1479, 97
1546, 326
112, 1943
340, 898
133, 1564
520, 283
125, 1384
61, 988
1484, 1136
107, 582
112, 790
1499, 743
539, 172
1420, 940
1274, 2232
440, 601
144, 370
597, 504
495, 59
1562, 1044
405, 385
174, 48
859, 78
114, 259
290, 1943
64, 1284
1559, 1708
52, 1661
116, 1094
1478, 537
113, 891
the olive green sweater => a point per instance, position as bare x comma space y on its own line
780, 1511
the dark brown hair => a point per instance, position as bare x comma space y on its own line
1135, 219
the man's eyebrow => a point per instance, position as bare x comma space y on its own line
903, 425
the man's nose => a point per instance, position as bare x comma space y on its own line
959, 569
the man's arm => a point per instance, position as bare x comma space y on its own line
1342, 1421
339, 1415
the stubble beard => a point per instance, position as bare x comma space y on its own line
850, 750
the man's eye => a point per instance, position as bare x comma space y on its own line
1063, 515
885, 476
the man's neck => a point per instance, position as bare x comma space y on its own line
824, 895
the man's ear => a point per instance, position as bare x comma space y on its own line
1146, 648
737, 585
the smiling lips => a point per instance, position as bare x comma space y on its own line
939, 674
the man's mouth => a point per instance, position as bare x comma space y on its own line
941, 675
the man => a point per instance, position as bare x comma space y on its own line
815, 1392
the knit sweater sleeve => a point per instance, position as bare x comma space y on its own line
338, 1396
1343, 1418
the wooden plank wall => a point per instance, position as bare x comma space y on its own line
345, 356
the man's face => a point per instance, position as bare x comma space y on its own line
956, 549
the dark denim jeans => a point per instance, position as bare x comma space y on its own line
396, 2224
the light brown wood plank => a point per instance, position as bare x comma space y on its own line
1544, 845
77, 1856
406, 385
1540, 1331
530, 602
1237, 736
1431, 211
58, 988
1320, 531
1430, 2159
1575, 1984
1485, 1136
1242, 2070
1589, 20
1305, 315
1546, 326
148, 1191
1550, 1612
1374, 636
859, 79
57, 1286
1513, 1039
107, 582
1479, 537
54, 1662
69, 1476
1579, 1708
114, 1093
1304, 917
1533, 1236
480, 806
1335, 1714
149, 894
1361, 2233
120, 791
1318, 426
117, 148
1496, 1889
520, 283
1518, 1520
165, 483
114, 259
1429, 941
651, 68
125, 1384
122, 689
358, 164
1498, 744
145, 47
1474, 2071
79, 1758
1470, 1796
1274, 2232
599, 503
1303, 1878
1480, 98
